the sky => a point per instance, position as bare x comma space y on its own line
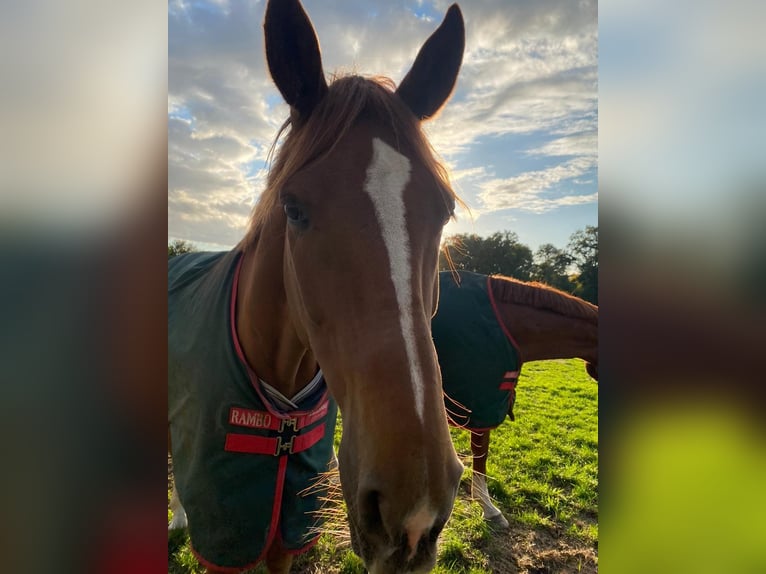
519, 135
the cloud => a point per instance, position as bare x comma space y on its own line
458, 175
529, 68
527, 191
584, 144
209, 190
522, 86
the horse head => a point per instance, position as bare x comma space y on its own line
359, 203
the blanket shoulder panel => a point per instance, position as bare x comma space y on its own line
475, 355
234, 500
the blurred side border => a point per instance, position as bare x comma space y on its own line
83, 232
682, 200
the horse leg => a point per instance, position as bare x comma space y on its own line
278, 560
179, 519
480, 450
179, 514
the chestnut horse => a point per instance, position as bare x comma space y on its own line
338, 269
484, 329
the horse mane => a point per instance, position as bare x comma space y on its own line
349, 101
542, 296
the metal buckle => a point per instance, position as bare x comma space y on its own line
285, 446
291, 422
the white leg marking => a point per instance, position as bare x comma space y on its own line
480, 492
179, 514
387, 176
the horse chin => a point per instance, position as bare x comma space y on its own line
389, 559
395, 566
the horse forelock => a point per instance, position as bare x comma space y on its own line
349, 101
541, 296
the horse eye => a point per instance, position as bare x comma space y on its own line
295, 215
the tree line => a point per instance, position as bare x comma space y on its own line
573, 269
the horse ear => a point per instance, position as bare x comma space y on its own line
429, 82
292, 51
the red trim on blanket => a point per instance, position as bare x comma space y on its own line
222, 569
508, 386
275, 512
250, 371
253, 444
226, 570
273, 529
318, 413
309, 439
233, 312
300, 550
306, 548
239, 416
301, 442
500, 321
250, 444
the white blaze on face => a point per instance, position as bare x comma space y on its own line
387, 176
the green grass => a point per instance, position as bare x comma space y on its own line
556, 476
542, 473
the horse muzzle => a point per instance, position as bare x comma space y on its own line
397, 557
393, 537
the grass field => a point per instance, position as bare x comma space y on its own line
542, 472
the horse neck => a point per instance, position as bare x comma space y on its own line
542, 334
267, 335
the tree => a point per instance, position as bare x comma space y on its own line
179, 246
550, 267
583, 247
500, 253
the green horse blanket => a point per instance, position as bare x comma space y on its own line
479, 360
242, 465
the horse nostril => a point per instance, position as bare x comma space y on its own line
371, 516
433, 534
